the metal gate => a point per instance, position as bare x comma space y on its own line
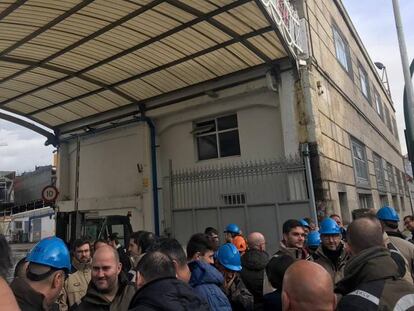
257, 195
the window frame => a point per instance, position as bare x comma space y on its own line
337, 34
363, 73
360, 180
216, 132
387, 120
391, 178
379, 172
378, 105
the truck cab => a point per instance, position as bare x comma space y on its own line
73, 225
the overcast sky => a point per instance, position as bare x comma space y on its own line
21, 150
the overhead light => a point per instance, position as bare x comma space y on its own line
379, 65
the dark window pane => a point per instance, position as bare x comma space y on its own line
229, 143
227, 122
207, 147
210, 126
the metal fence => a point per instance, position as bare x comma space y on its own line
257, 195
250, 182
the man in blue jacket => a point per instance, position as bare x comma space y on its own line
205, 279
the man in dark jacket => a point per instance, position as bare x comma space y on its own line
254, 262
371, 279
109, 289
205, 279
159, 289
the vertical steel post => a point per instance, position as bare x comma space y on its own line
409, 108
78, 218
309, 181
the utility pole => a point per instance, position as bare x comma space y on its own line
409, 107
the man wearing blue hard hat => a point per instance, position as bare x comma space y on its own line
331, 254
229, 264
49, 262
394, 240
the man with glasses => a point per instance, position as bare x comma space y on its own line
331, 254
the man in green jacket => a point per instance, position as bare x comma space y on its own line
371, 278
109, 289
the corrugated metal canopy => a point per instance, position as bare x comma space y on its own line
62, 61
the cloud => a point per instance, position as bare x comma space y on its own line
24, 150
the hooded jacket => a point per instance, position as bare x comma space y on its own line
206, 281
27, 298
336, 270
96, 301
254, 263
372, 282
167, 294
406, 249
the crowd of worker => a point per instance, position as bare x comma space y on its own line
366, 266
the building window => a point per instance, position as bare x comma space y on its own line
399, 177
363, 81
395, 203
383, 200
365, 201
391, 180
378, 105
342, 50
217, 138
379, 171
402, 203
394, 125
388, 118
360, 162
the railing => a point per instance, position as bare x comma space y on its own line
238, 183
287, 19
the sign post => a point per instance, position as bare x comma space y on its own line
50, 194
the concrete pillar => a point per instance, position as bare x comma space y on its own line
62, 171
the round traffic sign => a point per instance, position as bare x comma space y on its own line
49, 193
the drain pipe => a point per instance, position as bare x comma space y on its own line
154, 170
305, 153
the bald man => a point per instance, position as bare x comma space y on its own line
109, 288
372, 280
307, 286
254, 262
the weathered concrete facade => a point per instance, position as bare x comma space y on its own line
342, 114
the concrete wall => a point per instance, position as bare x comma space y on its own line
28, 186
114, 174
341, 111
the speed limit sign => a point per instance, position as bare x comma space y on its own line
49, 193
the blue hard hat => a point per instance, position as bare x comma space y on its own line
51, 252
313, 239
304, 223
329, 226
388, 213
229, 257
232, 228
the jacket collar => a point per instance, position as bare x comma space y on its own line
26, 295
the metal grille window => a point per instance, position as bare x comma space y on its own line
342, 50
391, 179
363, 80
378, 105
217, 138
360, 162
379, 171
